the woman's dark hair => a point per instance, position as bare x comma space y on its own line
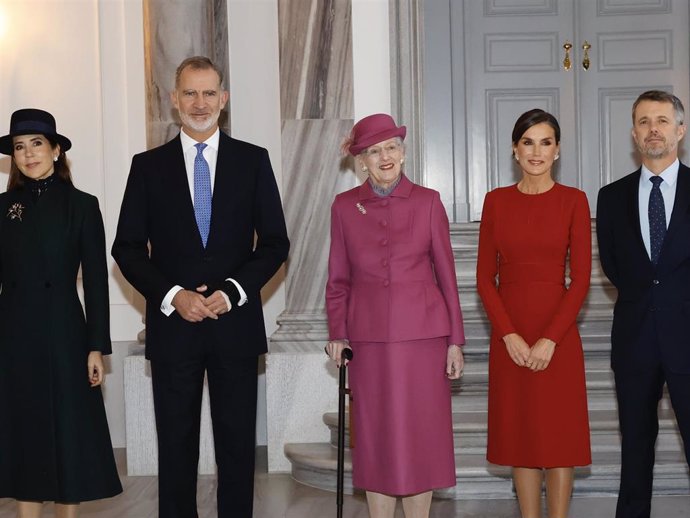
532, 118
16, 178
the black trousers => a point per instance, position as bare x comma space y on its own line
638, 393
177, 392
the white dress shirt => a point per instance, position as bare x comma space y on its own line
210, 153
668, 191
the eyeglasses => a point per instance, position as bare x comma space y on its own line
376, 151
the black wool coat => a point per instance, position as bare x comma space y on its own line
54, 439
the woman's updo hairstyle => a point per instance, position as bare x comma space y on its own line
532, 118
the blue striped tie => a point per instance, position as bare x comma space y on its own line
657, 219
202, 193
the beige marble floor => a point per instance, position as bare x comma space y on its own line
278, 496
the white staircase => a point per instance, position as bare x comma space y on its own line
314, 464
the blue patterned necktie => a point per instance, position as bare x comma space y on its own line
657, 218
202, 193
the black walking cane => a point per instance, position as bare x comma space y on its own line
343, 391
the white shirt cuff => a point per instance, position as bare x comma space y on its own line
243, 295
226, 299
166, 306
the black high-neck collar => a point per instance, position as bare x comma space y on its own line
38, 187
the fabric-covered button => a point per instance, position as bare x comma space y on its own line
384, 242
386, 283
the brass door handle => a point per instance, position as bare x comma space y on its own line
567, 64
585, 57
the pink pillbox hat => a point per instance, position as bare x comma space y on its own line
371, 130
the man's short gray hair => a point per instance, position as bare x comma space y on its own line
662, 97
198, 63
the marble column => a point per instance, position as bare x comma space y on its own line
316, 110
173, 31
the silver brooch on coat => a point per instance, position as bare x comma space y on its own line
361, 208
15, 211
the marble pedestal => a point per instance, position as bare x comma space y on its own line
142, 444
300, 388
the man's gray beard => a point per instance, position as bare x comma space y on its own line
210, 122
651, 152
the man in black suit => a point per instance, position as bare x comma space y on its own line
201, 230
643, 229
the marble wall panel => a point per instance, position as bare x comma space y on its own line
173, 31
313, 173
315, 59
316, 86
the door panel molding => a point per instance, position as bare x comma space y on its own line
521, 52
609, 8
526, 8
633, 51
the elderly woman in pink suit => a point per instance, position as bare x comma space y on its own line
392, 297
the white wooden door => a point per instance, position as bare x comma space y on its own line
514, 61
637, 45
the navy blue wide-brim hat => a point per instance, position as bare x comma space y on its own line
30, 121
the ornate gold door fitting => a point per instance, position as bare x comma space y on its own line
585, 58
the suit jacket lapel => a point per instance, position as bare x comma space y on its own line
681, 207
180, 187
633, 199
222, 185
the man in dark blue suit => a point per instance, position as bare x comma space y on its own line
643, 229
201, 230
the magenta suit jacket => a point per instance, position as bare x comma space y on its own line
391, 271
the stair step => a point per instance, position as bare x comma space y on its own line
315, 464
469, 430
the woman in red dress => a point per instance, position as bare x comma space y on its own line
538, 421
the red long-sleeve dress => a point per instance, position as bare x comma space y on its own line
536, 419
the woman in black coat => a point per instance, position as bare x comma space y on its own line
54, 439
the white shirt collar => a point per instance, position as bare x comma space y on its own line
670, 174
188, 142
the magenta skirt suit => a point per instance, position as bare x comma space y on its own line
392, 292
